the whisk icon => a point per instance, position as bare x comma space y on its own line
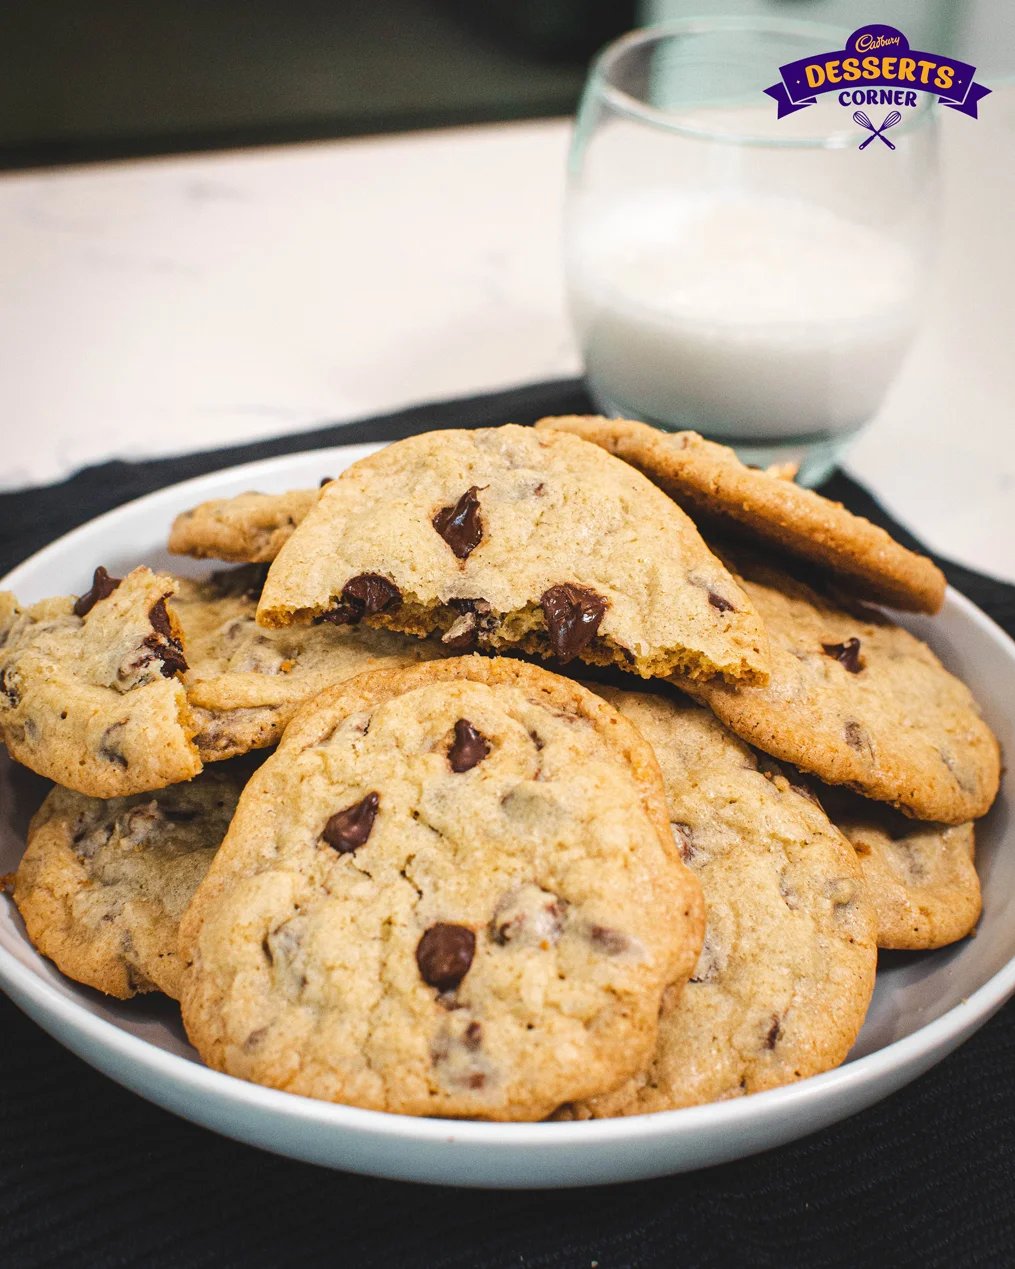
890, 121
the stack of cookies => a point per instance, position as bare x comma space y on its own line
650, 873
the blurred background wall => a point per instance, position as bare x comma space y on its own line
96, 79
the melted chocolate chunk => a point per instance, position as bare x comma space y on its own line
774, 1031
102, 586
717, 601
347, 830
460, 525
363, 596
468, 749
163, 643
847, 654
573, 615
444, 955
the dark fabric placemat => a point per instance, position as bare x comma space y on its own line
92, 1175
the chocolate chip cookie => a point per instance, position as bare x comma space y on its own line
452, 890
249, 528
244, 682
510, 538
856, 700
921, 877
90, 689
787, 969
709, 481
103, 883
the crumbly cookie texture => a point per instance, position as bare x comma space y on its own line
510, 538
451, 891
103, 883
709, 480
856, 700
244, 682
921, 877
787, 969
249, 528
90, 690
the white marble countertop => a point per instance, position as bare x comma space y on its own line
162, 306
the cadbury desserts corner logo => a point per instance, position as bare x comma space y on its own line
877, 68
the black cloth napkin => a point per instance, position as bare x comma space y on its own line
92, 1175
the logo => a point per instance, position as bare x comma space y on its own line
877, 68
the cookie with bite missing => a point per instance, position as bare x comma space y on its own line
786, 973
709, 481
857, 700
244, 682
451, 891
249, 528
103, 882
507, 538
90, 688
921, 877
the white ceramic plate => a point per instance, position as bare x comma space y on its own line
925, 1004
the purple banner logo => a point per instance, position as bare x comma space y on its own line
877, 57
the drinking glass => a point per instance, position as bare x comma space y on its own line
753, 278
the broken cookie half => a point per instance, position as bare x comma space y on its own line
509, 538
91, 691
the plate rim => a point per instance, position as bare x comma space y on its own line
933, 1039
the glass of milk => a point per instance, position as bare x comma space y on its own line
753, 278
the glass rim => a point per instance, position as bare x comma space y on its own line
632, 107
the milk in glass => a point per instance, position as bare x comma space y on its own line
746, 316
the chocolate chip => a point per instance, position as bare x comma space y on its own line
163, 643
444, 955
8, 688
459, 525
774, 1031
468, 749
325, 480
109, 746
573, 615
473, 1036
855, 735
476, 618
363, 596
717, 601
347, 830
255, 1039
102, 586
611, 942
460, 636
847, 654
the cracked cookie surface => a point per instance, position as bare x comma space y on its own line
787, 969
103, 883
856, 700
247, 529
451, 891
244, 682
921, 877
506, 537
709, 480
90, 690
